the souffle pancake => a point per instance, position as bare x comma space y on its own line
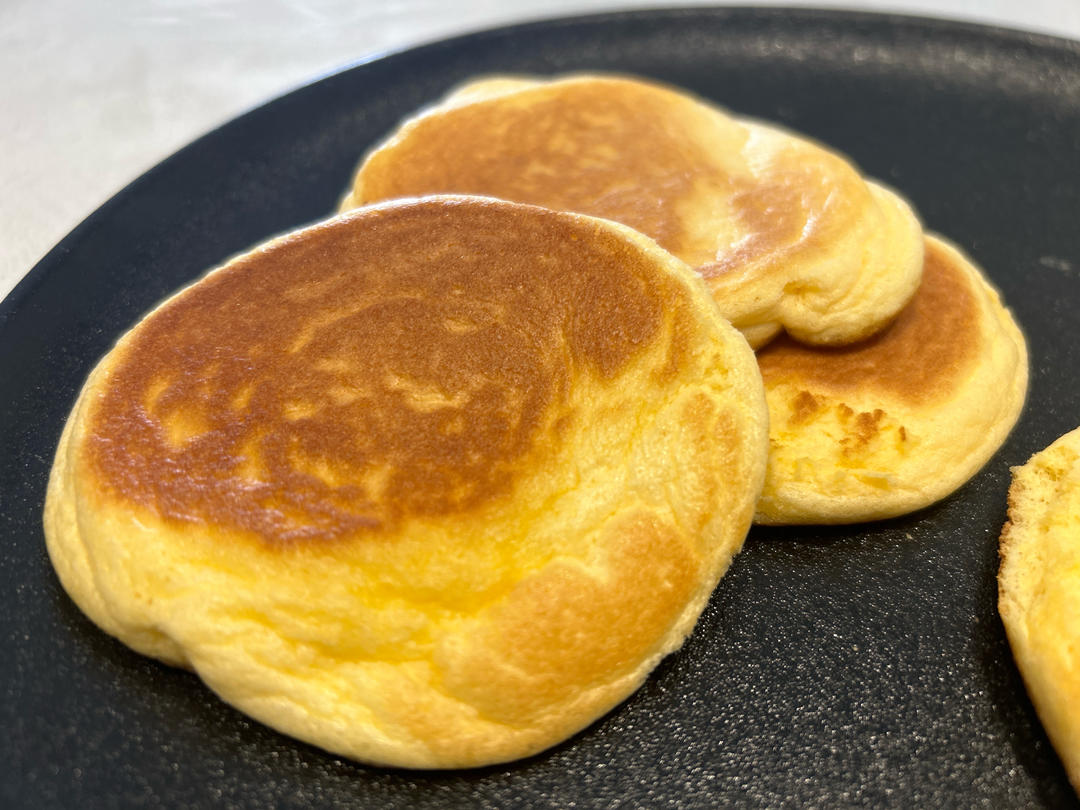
897, 422
1039, 590
433, 484
787, 233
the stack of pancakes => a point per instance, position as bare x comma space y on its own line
439, 481
900, 372
786, 233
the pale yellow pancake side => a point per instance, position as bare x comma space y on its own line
434, 484
786, 232
897, 422
1039, 590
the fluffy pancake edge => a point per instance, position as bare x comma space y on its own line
1039, 589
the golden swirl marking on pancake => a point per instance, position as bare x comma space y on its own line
798, 203
918, 358
531, 650
355, 384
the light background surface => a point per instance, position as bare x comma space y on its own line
94, 93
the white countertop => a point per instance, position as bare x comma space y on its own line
96, 92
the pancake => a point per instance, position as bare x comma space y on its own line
1039, 590
433, 484
787, 234
897, 422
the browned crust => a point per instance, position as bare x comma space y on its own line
922, 356
372, 370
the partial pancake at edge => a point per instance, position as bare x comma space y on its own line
1039, 589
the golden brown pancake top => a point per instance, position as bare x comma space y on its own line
919, 357
402, 361
594, 150
802, 204
633, 152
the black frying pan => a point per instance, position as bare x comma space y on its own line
861, 665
